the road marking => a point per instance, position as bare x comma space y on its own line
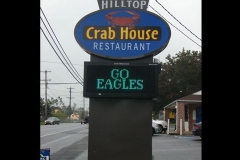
61, 138
184, 136
59, 132
57, 140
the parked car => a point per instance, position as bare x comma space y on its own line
155, 128
197, 129
85, 120
162, 125
52, 121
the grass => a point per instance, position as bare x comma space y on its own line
42, 123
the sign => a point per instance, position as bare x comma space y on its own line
45, 154
121, 80
135, 4
122, 34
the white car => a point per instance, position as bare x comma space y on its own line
162, 125
155, 128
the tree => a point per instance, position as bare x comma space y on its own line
60, 114
42, 108
74, 107
51, 103
42, 105
179, 77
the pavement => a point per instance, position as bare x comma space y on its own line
83, 156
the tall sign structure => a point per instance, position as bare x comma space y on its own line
121, 79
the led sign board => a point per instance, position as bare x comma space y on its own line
122, 33
121, 80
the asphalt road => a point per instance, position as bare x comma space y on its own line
70, 142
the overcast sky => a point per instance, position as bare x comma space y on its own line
183, 18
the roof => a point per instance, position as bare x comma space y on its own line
190, 99
198, 93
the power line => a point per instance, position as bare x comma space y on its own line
57, 90
174, 26
60, 83
178, 20
58, 56
52, 92
59, 63
56, 45
60, 45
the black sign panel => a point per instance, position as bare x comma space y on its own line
121, 80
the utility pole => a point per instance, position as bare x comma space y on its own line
46, 92
83, 105
70, 108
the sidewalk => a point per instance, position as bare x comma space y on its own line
173, 132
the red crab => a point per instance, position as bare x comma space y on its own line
123, 21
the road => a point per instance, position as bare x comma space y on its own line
66, 141
69, 141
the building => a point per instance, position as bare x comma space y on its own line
187, 110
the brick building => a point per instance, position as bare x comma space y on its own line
187, 110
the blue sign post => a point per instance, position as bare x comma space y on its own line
45, 154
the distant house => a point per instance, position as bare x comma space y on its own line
187, 110
55, 109
75, 116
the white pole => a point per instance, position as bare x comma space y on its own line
168, 126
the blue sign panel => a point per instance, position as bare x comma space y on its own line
45, 154
122, 33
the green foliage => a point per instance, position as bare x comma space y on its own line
42, 108
179, 77
60, 114
51, 103
69, 110
82, 115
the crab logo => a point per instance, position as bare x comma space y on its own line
129, 20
